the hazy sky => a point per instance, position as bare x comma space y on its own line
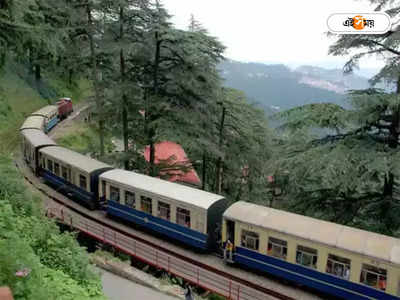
290, 32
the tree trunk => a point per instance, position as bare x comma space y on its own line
218, 177
38, 74
152, 157
70, 76
124, 97
203, 177
30, 57
125, 130
95, 79
101, 134
151, 132
395, 124
388, 188
156, 64
239, 194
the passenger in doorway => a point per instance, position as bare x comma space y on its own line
347, 273
228, 250
382, 284
328, 269
339, 270
269, 250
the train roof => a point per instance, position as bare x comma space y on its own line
163, 188
33, 122
37, 138
44, 111
339, 236
74, 159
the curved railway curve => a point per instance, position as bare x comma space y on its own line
157, 255
202, 270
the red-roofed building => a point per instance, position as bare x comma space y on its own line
174, 164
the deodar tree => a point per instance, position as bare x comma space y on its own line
348, 172
176, 73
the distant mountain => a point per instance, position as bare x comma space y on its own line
331, 79
277, 87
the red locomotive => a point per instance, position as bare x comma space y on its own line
64, 108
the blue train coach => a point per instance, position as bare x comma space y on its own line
185, 214
50, 114
343, 261
72, 173
32, 141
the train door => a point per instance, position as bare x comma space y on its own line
398, 288
230, 230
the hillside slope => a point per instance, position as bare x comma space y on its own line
20, 96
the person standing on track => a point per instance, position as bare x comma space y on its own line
188, 293
228, 251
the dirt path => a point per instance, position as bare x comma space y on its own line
67, 125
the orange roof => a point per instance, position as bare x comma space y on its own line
177, 165
5, 293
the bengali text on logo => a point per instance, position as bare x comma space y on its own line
359, 23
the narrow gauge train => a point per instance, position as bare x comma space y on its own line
64, 108
339, 260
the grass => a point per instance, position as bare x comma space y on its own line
81, 91
84, 139
81, 139
19, 98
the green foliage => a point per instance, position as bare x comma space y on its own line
84, 139
279, 86
57, 267
215, 297
316, 115
350, 177
382, 45
18, 99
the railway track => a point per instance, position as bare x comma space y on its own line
196, 272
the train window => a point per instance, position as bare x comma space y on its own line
338, 266
146, 204
183, 217
277, 248
306, 256
50, 165
103, 188
373, 276
64, 172
82, 181
130, 199
250, 240
164, 210
114, 194
57, 169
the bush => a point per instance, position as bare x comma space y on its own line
56, 266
